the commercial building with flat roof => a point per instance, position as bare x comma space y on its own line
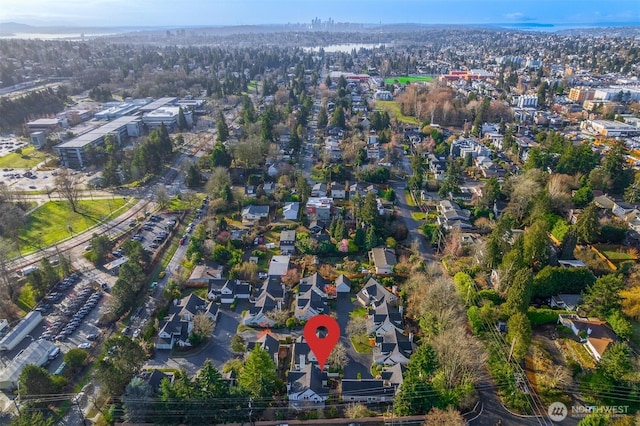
158, 103
73, 152
20, 331
37, 353
609, 128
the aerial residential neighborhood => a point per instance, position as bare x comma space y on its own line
176, 205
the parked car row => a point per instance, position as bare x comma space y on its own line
77, 318
57, 293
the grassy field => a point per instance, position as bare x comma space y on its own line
394, 111
54, 221
27, 159
408, 79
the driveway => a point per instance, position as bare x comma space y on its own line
217, 349
357, 363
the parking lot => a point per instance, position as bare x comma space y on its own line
9, 144
39, 180
70, 313
152, 231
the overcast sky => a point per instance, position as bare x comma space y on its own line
242, 12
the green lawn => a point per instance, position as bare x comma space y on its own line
394, 111
617, 255
408, 79
359, 312
361, 344
409, 200
54, 221
27, 159
418, 216
27, 299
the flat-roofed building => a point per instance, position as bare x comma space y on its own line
20, 331
609, 128
37, 353
73, 152
158, 103
45, 124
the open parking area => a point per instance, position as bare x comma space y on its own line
9, 144
70, 313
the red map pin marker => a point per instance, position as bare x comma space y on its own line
321, 346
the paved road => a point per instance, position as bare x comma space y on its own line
218, 349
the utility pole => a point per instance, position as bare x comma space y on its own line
513, 344
251, 412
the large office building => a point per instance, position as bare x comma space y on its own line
73, 153
609, 128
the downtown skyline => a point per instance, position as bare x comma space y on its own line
164, 13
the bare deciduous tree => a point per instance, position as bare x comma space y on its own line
338, 357
203, 325
459, 364
278, 316
438, 417
357, 411
357, 326
67, 186
162, 196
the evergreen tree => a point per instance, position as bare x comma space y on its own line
371, 239
588, 225
220, 156
258, 375
323, 118
182, 121
221, 128
338, 118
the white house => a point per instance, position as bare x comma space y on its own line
252, 213
338, 190
291, 210
596, 335
177, 326
384, 260
307, 388
343, 284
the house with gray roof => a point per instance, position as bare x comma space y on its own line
392, 348
178, 324
269, 297
311, 299
307, 388
268, 343
374, 294
383, 259
254, 213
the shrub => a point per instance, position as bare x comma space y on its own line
539, 316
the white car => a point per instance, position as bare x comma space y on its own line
85, 345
